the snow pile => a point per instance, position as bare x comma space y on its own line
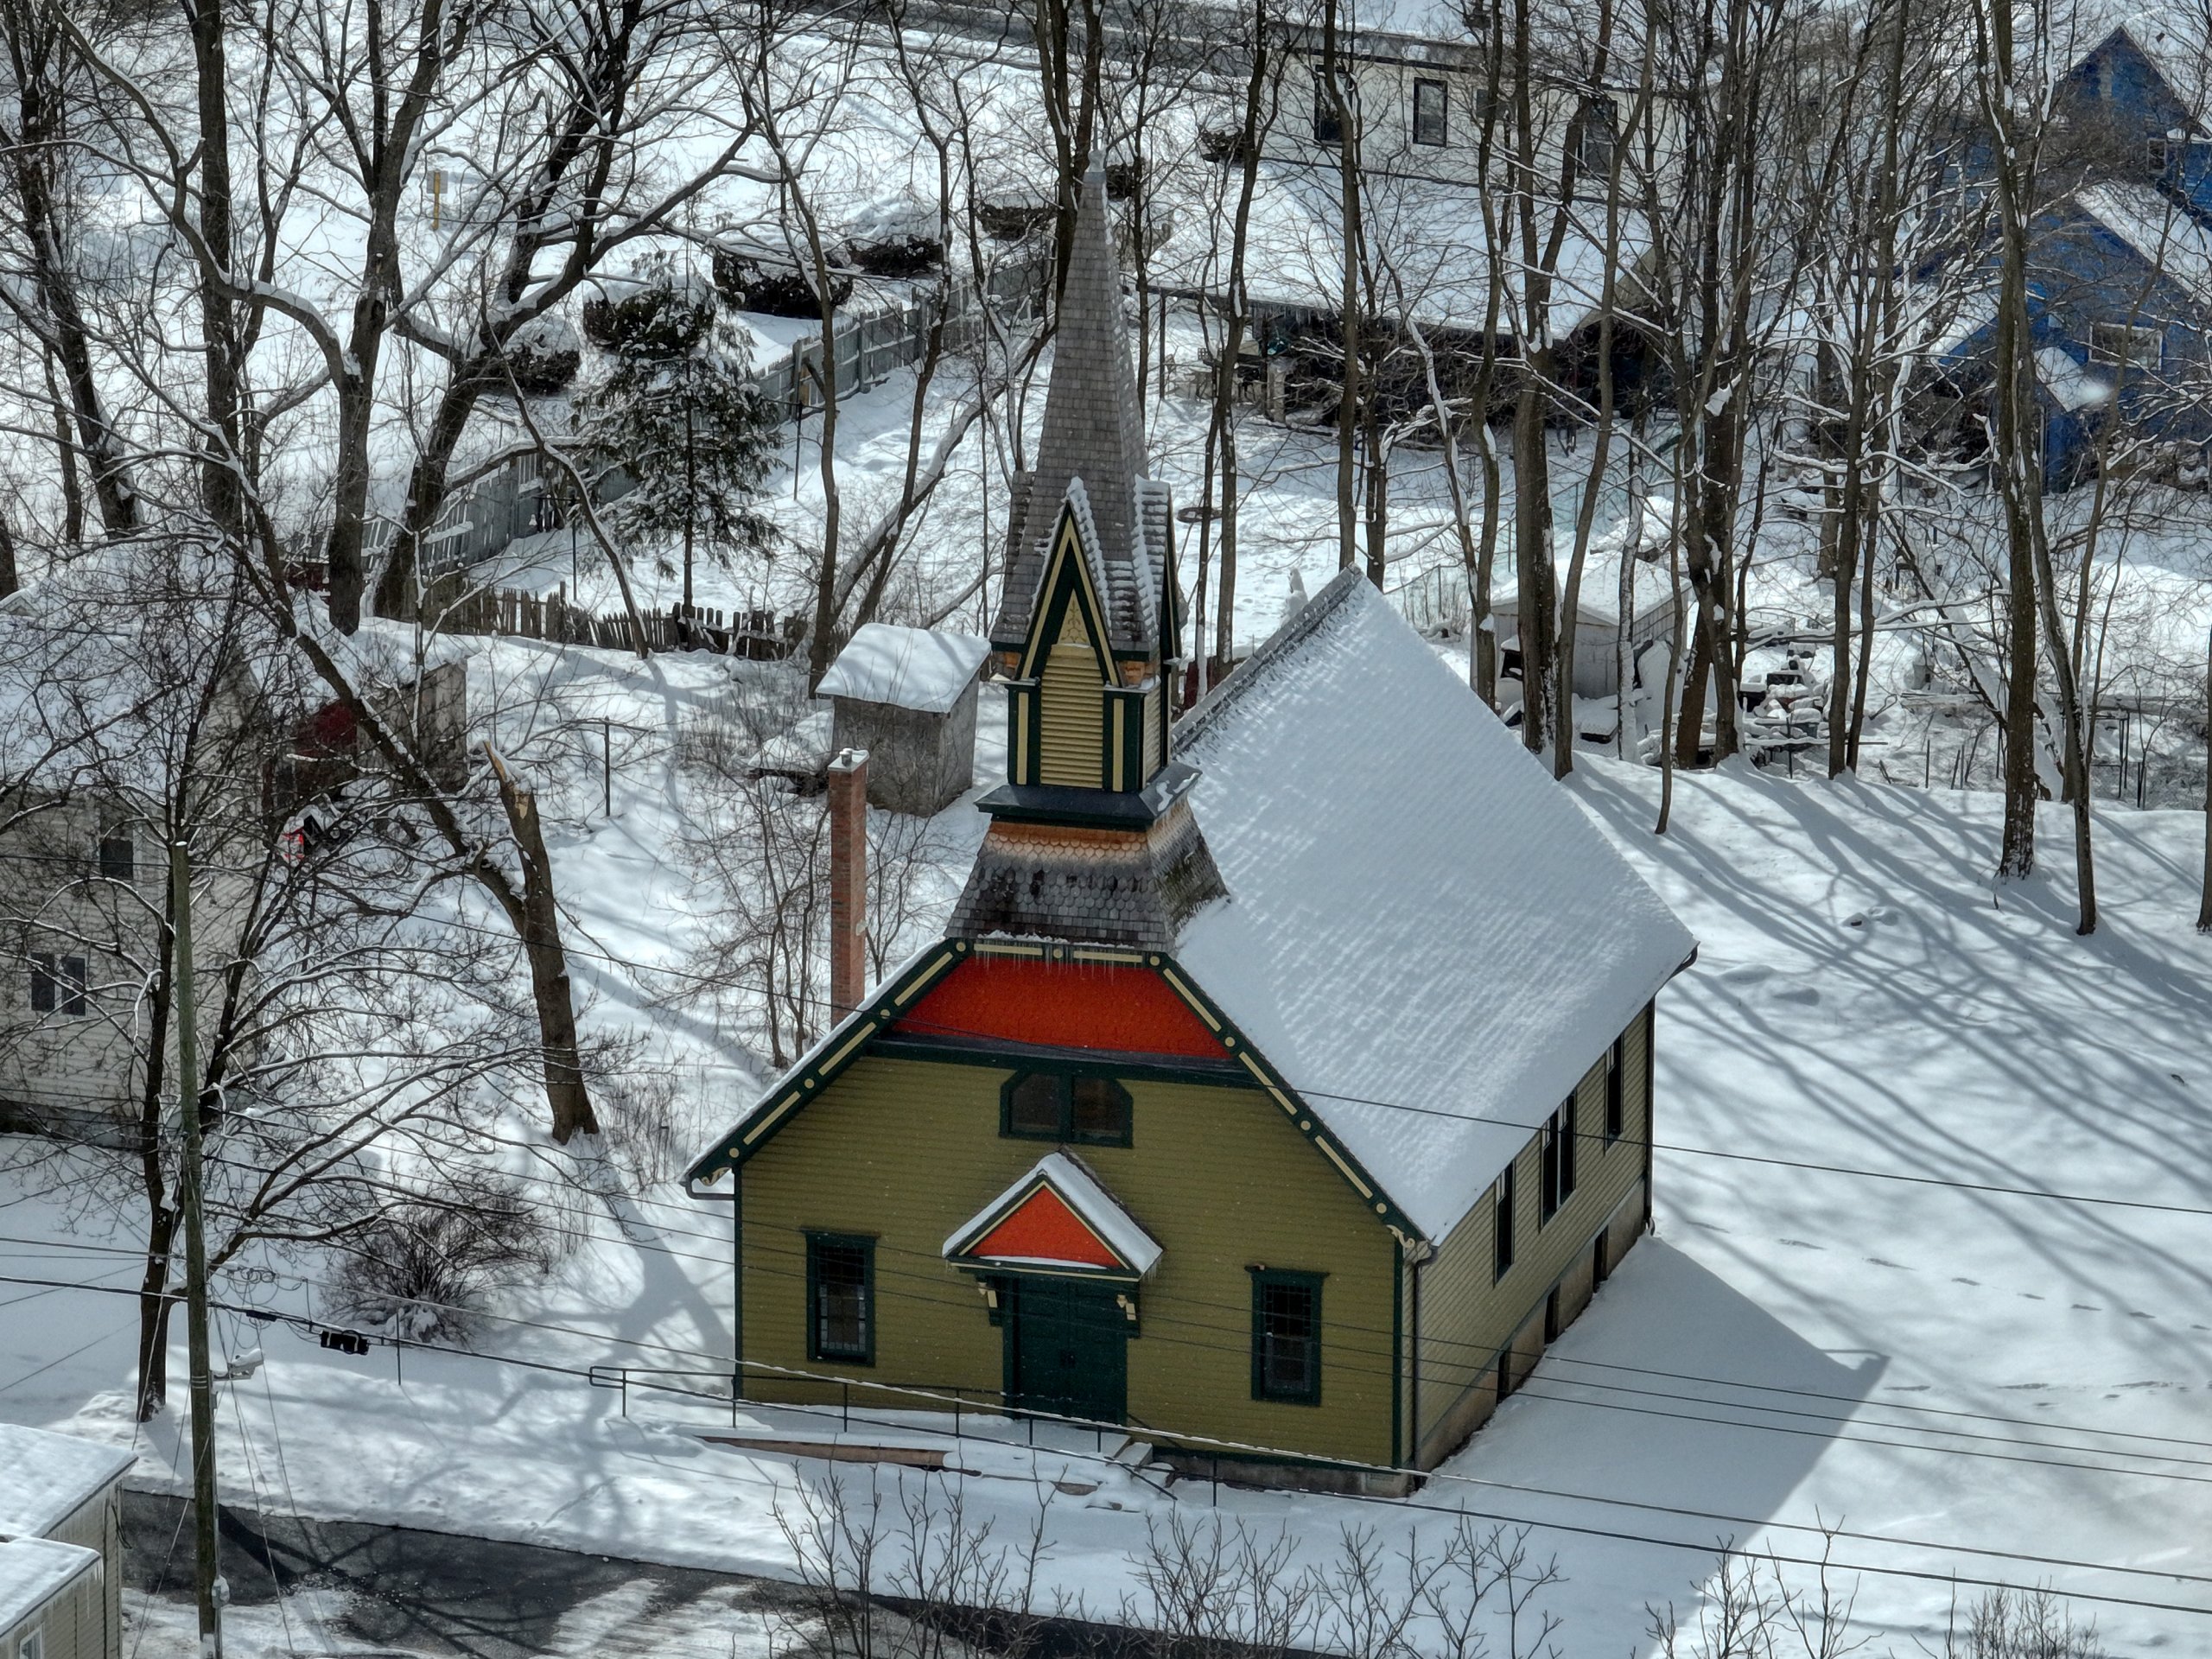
920, 669
1418, 916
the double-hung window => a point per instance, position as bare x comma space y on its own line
1616, 1092
1431, 121
1286, 1336
1502, 1196
1327, 129
841, 1298
119, 857
1558, 1150
58, 985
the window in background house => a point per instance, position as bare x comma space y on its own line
58, 985
119, 857
32, 1645
1501, 1239
1430, 121
1595, 130
1616, 1093
1327, 129
1287, 1336
841, 1298
2126, 344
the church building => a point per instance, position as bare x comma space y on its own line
1281, 1084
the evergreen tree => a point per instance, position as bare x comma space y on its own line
677, 414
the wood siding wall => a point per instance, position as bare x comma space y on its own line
906, 1150
1071, 710
1468, 1317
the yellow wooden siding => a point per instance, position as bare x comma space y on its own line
906, 1150
1071, 709
1466, 1316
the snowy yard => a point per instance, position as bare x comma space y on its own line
1967, 1381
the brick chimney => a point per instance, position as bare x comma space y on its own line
848, 881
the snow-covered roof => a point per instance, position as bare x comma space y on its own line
1433, 227
2070, 384
1096, 1207
32, 1570
922, 668
50, 1477
1424, 933
2156, 228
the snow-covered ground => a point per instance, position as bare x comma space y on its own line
1967, 1381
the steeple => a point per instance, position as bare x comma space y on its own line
1091, 839
1093, 433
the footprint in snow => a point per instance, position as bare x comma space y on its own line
1797, 1244
1871, 914
1956, 1280
1807, 994
1879, 1262
2086, 1307
1747, 973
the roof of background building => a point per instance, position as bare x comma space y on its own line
922, 668
50, 1477
33, 1569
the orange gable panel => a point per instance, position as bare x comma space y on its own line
1062, 1005
1043, 1229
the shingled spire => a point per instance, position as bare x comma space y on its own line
1093, 433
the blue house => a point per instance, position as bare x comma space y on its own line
2119, 278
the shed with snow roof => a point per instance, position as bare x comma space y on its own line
907, 697
1281, 1084
61, 1545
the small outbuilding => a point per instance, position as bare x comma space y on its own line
61, 1546
907, 696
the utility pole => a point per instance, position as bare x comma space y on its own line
212, 1591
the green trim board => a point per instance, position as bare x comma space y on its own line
973, 1051
860, 1031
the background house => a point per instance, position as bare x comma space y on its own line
2120, 277
907, 697
61, 1546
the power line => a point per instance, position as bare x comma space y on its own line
1395, 1504
934, 1290
1808, 1166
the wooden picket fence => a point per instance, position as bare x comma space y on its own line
758, 636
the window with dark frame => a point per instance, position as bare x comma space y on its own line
1558, 1149
841, 1298
58, 985
1431, 121
1502, 1235
1287, 1336
119, 857
1085, 1107
1327, 129
1616, 1092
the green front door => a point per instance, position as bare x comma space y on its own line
1067, 1350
